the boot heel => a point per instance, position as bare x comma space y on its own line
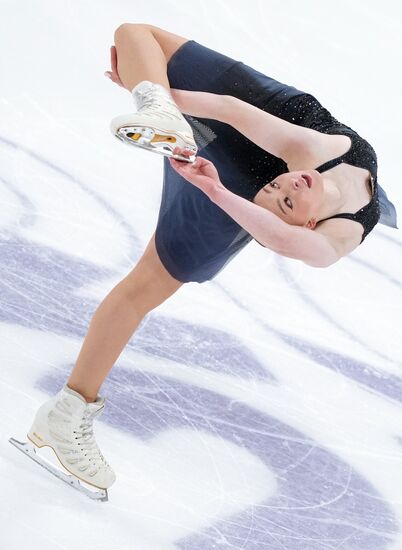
36, 439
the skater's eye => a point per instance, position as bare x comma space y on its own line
289, 203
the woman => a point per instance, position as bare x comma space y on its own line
276, 167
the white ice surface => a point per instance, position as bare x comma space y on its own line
56, 103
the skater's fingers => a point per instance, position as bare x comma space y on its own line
195, 175
176, 165
202, 163
182, 150
116, 79
182, 153
113, 78
113, 58
206, 168
110, 75
184, 168
188, 170
113, 74
179, 164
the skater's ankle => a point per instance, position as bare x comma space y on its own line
88, 398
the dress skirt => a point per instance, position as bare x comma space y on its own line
195, 239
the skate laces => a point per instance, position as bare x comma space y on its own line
86, 439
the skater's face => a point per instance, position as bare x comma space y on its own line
295, 197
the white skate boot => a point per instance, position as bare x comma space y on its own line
158, 125
64, 423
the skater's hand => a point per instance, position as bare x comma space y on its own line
113, 74
201, 173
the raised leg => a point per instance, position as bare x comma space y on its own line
143, 52
139, 63
116, 319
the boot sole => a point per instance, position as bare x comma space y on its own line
162, 141
34, 438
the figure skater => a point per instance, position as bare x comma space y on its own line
276, 167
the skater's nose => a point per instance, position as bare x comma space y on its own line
297, 183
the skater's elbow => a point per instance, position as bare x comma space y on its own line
228, 105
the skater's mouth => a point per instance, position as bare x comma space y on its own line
308, 179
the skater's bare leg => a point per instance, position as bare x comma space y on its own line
143, 52
116, 319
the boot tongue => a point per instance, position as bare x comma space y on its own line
93, 407
74, 393
142, 87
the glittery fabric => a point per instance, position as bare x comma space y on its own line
195, 239
308, 112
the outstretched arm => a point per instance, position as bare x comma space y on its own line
277, 136
311, 247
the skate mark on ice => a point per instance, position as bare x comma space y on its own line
43, 162
314, 305
48, 300
321, 501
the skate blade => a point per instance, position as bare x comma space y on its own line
150, 140
29, 450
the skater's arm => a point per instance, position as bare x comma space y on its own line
299, 243
200, 104
277, 136
313, 248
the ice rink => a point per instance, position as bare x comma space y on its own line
258, 411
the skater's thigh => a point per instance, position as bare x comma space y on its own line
168, 41
149, 282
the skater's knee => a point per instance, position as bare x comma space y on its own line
146, 289
122, 31
129, 30
149, 284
